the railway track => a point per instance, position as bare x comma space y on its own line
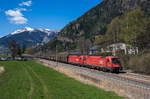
138, 82
137, 76
129, 78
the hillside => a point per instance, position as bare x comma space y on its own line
95, 21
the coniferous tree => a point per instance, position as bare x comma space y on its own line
16, 49
13, 47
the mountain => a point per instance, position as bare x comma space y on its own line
95, 21
29, 36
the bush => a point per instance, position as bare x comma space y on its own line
140, 64
125, 61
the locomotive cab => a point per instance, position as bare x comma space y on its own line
114, 63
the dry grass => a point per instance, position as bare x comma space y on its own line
2, 69
140, 64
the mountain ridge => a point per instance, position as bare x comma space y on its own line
28, 36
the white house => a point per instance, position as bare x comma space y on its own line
128, 49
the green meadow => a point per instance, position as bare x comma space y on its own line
31, 80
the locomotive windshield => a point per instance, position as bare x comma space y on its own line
115, 60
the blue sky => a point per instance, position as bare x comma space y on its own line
51, 14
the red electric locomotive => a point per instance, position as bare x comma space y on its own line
108, 63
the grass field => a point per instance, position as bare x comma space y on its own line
30, 80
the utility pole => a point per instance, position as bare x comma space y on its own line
40, 50
56, 56
114, 50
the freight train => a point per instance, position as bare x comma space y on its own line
103, 63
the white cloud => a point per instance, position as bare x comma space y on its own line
18, 20
13, 13
16, 16
21, 9
27, 3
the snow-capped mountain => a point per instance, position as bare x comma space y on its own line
22, 30
29, 36
48, 31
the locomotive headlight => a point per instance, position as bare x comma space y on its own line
100, 62
77, 59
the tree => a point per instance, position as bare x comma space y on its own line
16, 49
13, 47
23, 48
103, 41
132, 25
88, 45
29, 50
113, 30
81, 44
84, 45
144, 39
19, 51
111, 35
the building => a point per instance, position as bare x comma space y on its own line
114, 48
117, 47
93, 50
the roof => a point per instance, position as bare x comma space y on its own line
94, 48
27, 55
